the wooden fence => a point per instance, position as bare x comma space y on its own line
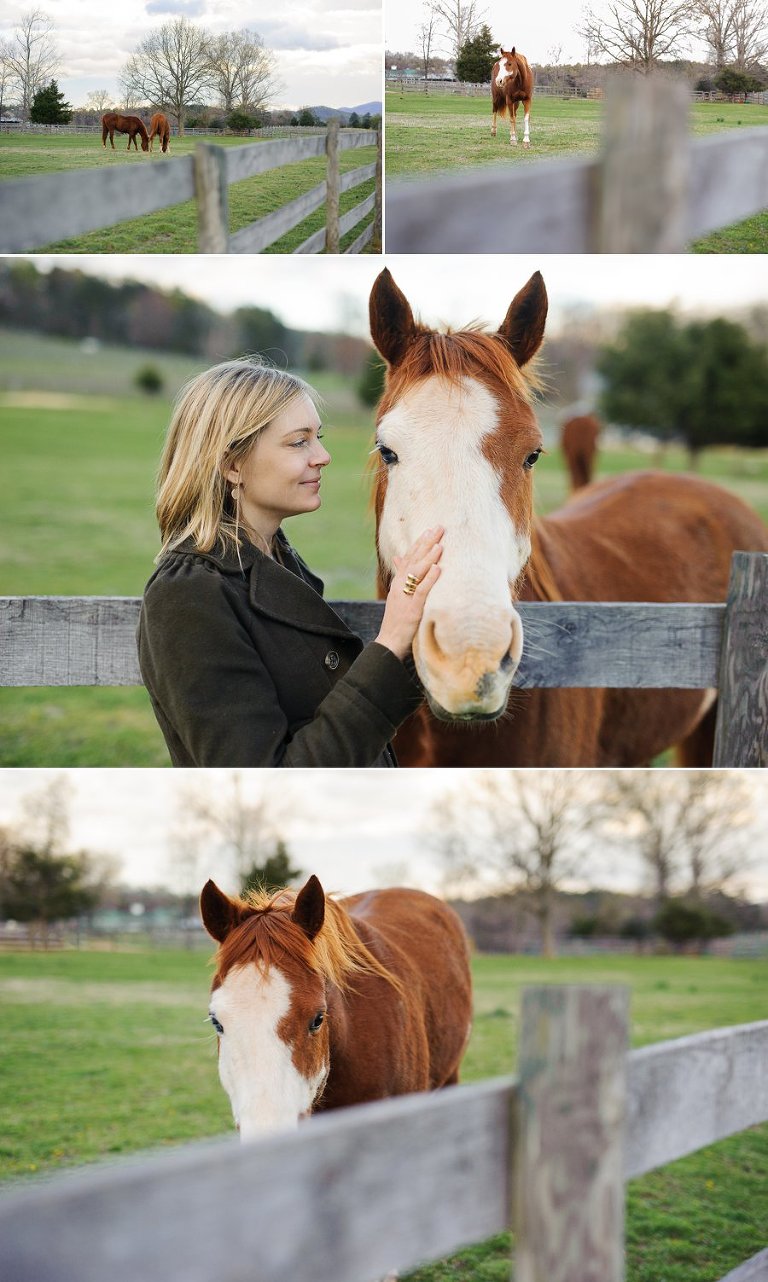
353, 1195
651, 190
91, 641
467, 89
36, 211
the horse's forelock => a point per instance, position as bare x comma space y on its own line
455, 355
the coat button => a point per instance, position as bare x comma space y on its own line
332, 660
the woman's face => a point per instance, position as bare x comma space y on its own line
281, 475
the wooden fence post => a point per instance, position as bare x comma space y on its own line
212, 200
377, 219
568, 1145
641, 202
332, 188
741, 734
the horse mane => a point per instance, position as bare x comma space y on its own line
269, 937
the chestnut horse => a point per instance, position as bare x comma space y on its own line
159, 128
321, 1002
458, 440
511, 84
112, 122
578, 441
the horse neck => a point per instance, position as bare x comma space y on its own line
539, 582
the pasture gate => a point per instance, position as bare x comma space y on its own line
34, 212
91, 641
652, 189
354, 1194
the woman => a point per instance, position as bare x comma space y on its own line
245, 663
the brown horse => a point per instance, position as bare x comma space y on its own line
578, 441
511, 84
458, 441
112, 122
159, 128
321, 1002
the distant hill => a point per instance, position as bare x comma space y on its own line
325, 113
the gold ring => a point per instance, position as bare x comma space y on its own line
411, 584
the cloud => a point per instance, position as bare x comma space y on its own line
189, 8
283, 35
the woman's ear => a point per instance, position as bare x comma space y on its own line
230, 471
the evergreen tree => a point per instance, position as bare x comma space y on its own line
354, 120
476, 58
275, 872
49, 108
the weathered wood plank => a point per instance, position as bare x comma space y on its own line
694, 1091
259, 157
754, 1270
361, 241
729, 179
314, 244
567, 1186
212, 199
36, 211
348, 1197
354, 177
265, 231
351, 138
549, 207
333, 178
356, 214
378, 213
741, 736
63, 640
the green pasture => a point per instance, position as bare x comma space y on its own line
439, 133
174, 230
108, 1052
80, 451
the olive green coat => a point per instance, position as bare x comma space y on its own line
247, 665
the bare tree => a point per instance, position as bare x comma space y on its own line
229, 828
170, 68
31, 57
750, 34
6, 75
426, 37
462, 18
242, 70
717, 32
45, 816
638, 33
99, 100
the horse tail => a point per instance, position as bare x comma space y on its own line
104, 132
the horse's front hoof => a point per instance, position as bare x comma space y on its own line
526, 143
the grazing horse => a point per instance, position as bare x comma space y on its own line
322, 1002
112, 123
458, 441
511, 84
159, 128
578, 440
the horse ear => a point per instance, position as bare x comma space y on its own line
220, 914
309, 909
523, 327
392, 323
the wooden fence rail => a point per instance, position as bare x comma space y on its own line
36, 211
355, 1194
91, 641
652, 189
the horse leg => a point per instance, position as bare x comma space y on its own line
526, 134
493, 124
513, 124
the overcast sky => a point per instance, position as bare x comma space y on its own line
332, 294
544, 30
353, 828
328, 51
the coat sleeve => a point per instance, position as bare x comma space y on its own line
210, 685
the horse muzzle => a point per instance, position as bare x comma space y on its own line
468, 677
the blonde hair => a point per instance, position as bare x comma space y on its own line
216, 420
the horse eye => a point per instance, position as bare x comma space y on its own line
314, 1024
387, 455
219, 1027
531, 459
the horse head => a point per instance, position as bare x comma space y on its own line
458, 439
268, 1004
508, 65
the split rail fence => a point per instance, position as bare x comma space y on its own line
652, 189
91, 641
355, 1194
34, 212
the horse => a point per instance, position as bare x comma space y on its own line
112, 122
160, 128
578, 441
457, 442
511, 84
321, 1002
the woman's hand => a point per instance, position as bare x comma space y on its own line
403, 611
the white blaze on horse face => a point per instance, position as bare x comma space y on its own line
256, 1068
470, 638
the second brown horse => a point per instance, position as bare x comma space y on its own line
159, 128
112, 122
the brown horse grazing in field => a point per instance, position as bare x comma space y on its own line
578, 441
112, 123
321, 1002
159, 128
458, 441
511, 84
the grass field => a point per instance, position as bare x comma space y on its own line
438, 133
80, 451
174, 230
107, 1053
